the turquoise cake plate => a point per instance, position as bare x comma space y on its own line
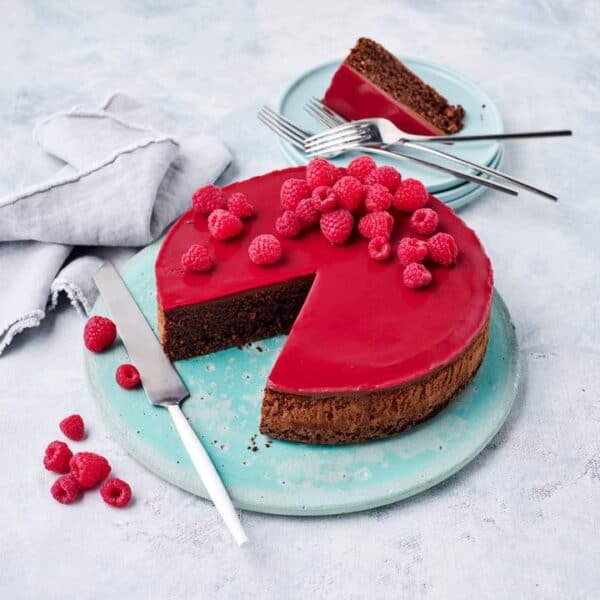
278, 477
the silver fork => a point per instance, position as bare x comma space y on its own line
296, 136
349, 135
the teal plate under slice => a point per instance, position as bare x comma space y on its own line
482, 116
287, 478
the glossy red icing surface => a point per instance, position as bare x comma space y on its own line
355, 97
360, 327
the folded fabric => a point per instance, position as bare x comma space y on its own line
129, 172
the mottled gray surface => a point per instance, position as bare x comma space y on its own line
522, 521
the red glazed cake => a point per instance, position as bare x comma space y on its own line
372, 82
366, 356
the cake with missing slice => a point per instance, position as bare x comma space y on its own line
372, 82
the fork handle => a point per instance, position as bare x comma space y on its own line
498, 136
208, 474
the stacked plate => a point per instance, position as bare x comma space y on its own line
482, 116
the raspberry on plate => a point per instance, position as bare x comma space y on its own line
338, 172
378, 198
208, 198
386, 176
379, 248
376, 224
360, 167
265, 250
89, 469
442, 249
292, 192
65, 489
410, 195
116, 492
416, 276
57, 457
319, 172
337, 225
99, 333
73, 427
239, 205
412, 250
127, 376
349, 192
197, 259
288, 224
307, 213
224, 225
424, 221
324, 198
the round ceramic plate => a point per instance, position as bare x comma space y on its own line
482, 116
282, 477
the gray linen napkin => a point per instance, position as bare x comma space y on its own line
129, 172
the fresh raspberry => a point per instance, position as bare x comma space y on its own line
412, 250
337, 225
99, 334
265, 250
116, 492
66, 489
307, 213
410, 195
292, 191
379, 248
360, 167
319, 172
424, 221
338, 173
288, 224
57, 457
239, 205
442, 249
89, 469
349, 192
197, 258
378, 198
324, 198
127, 376
223, 225
416, 276
376, 224
386, 176
73, 427
208, 198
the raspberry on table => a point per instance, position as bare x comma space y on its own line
324, 198
360, 167
116, 492
127, 376
265, 250
197, 259
410, 195
386, 176
223, 225
65, 489
239, 205
307, 213
416, 276
89, 469
337, 225
208, 198
319, 172
376, 224
379, 248
424, 221
378, 198
412, 250
349, 192
288, 224
443, 249
292, 192
57, 457
99, 333
73, 427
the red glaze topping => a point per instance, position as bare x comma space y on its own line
355, 97
360, 328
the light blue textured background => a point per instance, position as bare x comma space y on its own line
522, 521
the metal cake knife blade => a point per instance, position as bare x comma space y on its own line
162, 385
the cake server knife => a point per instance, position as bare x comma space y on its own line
163, 386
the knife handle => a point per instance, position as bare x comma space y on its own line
208, 474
